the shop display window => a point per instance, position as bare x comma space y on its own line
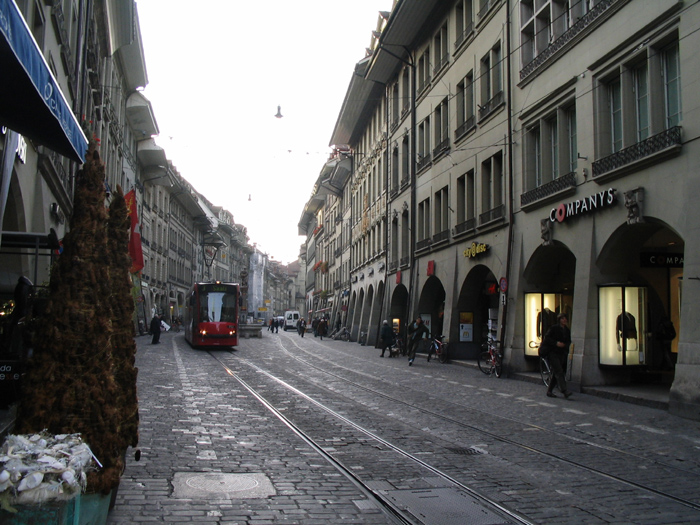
622, 325
541, 310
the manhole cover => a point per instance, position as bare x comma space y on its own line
206, 485
221, 482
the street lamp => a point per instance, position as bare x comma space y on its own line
211, 242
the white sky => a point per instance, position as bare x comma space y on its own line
217, 71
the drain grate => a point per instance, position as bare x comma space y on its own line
466, 451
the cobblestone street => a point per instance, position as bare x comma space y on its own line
212, 453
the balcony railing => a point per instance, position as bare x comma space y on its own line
465, 35
583, 22
551, 188
441, 237
493, 214
393, 265
490, 106
425, 243
424, 162
465, 126
666, 140
468, 225
404, 261
441, 64
441, 148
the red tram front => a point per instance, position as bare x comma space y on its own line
212, 314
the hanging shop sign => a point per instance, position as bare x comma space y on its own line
603, 199
476, 249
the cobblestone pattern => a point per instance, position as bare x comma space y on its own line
195, 418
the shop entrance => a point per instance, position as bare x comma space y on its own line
476, 313
549, 283
431, 305
639, 307
398, 310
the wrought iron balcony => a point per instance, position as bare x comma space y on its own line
468, 225
666, 141
424, 162
441, 148
404, 261
462, 38
551, 188
586, 20
465, 126
442, 236
495, 102
425, 243
493, 214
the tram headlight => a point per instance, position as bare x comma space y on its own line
202, 333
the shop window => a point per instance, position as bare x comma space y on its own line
541, 310
622, 325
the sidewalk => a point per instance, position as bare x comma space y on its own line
650, 395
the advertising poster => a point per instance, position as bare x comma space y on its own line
466, 327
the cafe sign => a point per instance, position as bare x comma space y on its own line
476, 249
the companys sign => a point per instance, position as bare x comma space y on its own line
564, 211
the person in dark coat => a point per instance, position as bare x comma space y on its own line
555, 347
386, 335
155, 329
415, 333
322, 327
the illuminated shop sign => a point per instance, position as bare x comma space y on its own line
661, 260
589, 204
476, 249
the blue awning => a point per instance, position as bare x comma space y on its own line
31, 102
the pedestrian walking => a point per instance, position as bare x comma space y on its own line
302, 327
386, 335
155, 329
555, 348
322, 327
415, 333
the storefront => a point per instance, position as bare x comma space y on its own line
618, 278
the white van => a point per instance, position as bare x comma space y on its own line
291, 318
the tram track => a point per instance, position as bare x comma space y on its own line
449, 403
604, 473
491, 511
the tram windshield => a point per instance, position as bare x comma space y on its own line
217, 306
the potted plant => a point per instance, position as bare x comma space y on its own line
81, 378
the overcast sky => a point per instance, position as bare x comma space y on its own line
217, 71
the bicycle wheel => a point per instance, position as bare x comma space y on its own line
498, 364
443, 354
545, 371
485, 364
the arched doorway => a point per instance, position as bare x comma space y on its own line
398, 310
639, 301
431, 305
476, 306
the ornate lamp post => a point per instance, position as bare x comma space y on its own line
211, 242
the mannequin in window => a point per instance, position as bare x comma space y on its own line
626, 328
545, 319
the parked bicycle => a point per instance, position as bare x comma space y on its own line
491, 358
545, 369
439, 348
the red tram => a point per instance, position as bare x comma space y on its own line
212, 314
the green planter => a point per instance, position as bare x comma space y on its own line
86, 509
